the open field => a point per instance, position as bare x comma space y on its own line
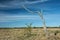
22, 34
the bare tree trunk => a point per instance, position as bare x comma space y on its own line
44, 24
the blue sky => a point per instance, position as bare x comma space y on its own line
12, 13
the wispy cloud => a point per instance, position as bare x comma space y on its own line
17, 3
8, 18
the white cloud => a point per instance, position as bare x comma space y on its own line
18, 3
8, 18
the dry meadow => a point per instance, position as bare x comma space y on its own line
25, 34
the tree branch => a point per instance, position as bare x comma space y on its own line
27, 9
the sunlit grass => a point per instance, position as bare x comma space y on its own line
34, 34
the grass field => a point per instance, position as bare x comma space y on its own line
23, 34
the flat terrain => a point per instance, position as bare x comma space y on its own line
23, 34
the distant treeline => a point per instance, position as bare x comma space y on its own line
24, 27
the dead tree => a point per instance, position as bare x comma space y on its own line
42, 18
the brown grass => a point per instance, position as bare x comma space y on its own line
36, 34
